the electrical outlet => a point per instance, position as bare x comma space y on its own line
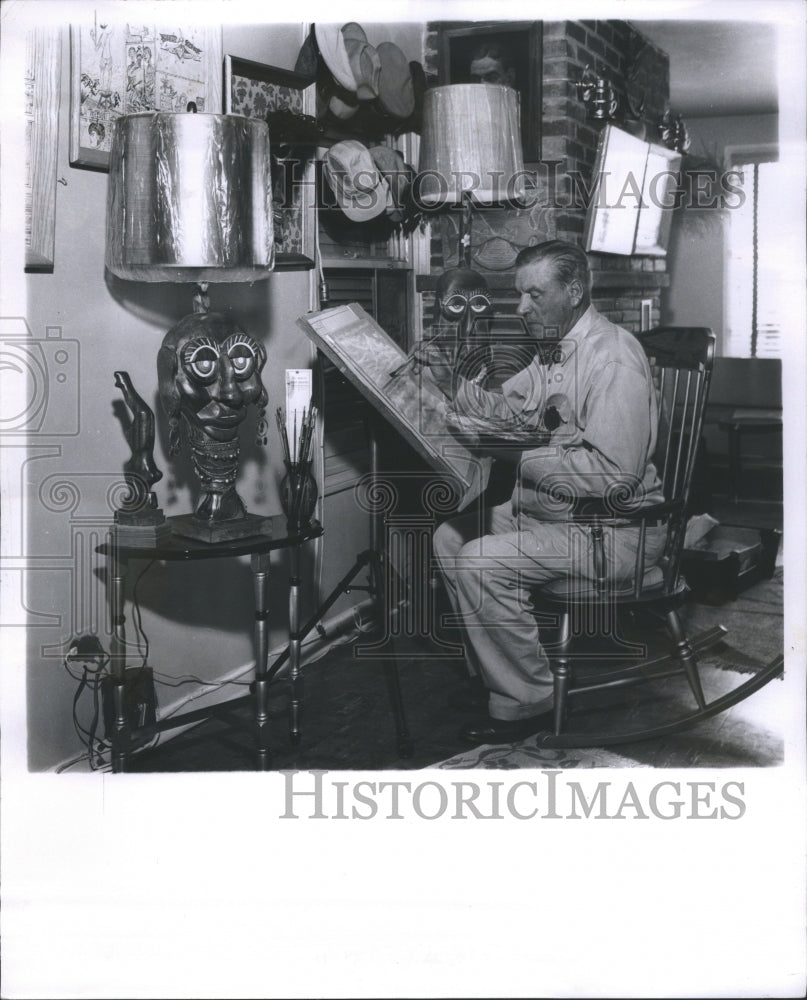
646, 314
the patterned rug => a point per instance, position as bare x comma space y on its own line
527, 753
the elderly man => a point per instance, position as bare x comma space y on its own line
585, 420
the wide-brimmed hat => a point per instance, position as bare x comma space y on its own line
365, 63
361, 191
396, 92
307, 57
331, 45
398, 175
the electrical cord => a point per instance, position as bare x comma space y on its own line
138, 618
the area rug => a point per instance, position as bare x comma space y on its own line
527, 754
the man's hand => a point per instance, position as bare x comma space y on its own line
440, 362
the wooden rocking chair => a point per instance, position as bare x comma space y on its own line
681, 362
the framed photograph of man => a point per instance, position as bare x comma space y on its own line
508, 52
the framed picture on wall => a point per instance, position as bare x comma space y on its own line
508, 52
43, 63
280, 96
633, 197
122, 68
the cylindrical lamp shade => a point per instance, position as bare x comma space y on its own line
471, 142
189, 198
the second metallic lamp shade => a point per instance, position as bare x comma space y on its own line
189, 199
471, 144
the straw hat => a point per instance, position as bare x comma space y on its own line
331, 46
396, 92
365, 63
361, 191
398, 175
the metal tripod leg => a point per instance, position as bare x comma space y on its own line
297, 634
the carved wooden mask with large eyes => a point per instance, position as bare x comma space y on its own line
463, 296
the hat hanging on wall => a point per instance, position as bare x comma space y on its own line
398, 175
396, 91
342, 104
307, 63
360, 188
365, 62
331, 45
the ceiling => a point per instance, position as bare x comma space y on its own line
718, 67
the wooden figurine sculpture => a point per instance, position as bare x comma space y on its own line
209, 374
140, 520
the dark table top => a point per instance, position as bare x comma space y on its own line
176, 547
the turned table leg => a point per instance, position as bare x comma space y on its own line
294, 645
260, 578
116, 596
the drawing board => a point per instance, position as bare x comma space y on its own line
350, 338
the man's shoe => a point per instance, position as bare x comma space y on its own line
505, 730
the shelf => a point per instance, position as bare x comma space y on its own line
628, 280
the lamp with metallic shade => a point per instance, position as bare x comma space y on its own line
470, 145
189, 199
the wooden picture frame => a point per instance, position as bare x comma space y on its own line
633, 197
521, 43
256, 91
120, 68
43, 61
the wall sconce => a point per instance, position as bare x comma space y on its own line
599, 97
673, 132
470, 151
189, 201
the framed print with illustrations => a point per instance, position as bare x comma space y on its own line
42, 77
124, 67
280, 96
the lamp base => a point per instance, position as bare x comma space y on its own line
189, 526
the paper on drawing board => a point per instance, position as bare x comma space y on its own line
411, 402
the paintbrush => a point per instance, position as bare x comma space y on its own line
413, 361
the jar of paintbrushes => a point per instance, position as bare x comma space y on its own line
298, 488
